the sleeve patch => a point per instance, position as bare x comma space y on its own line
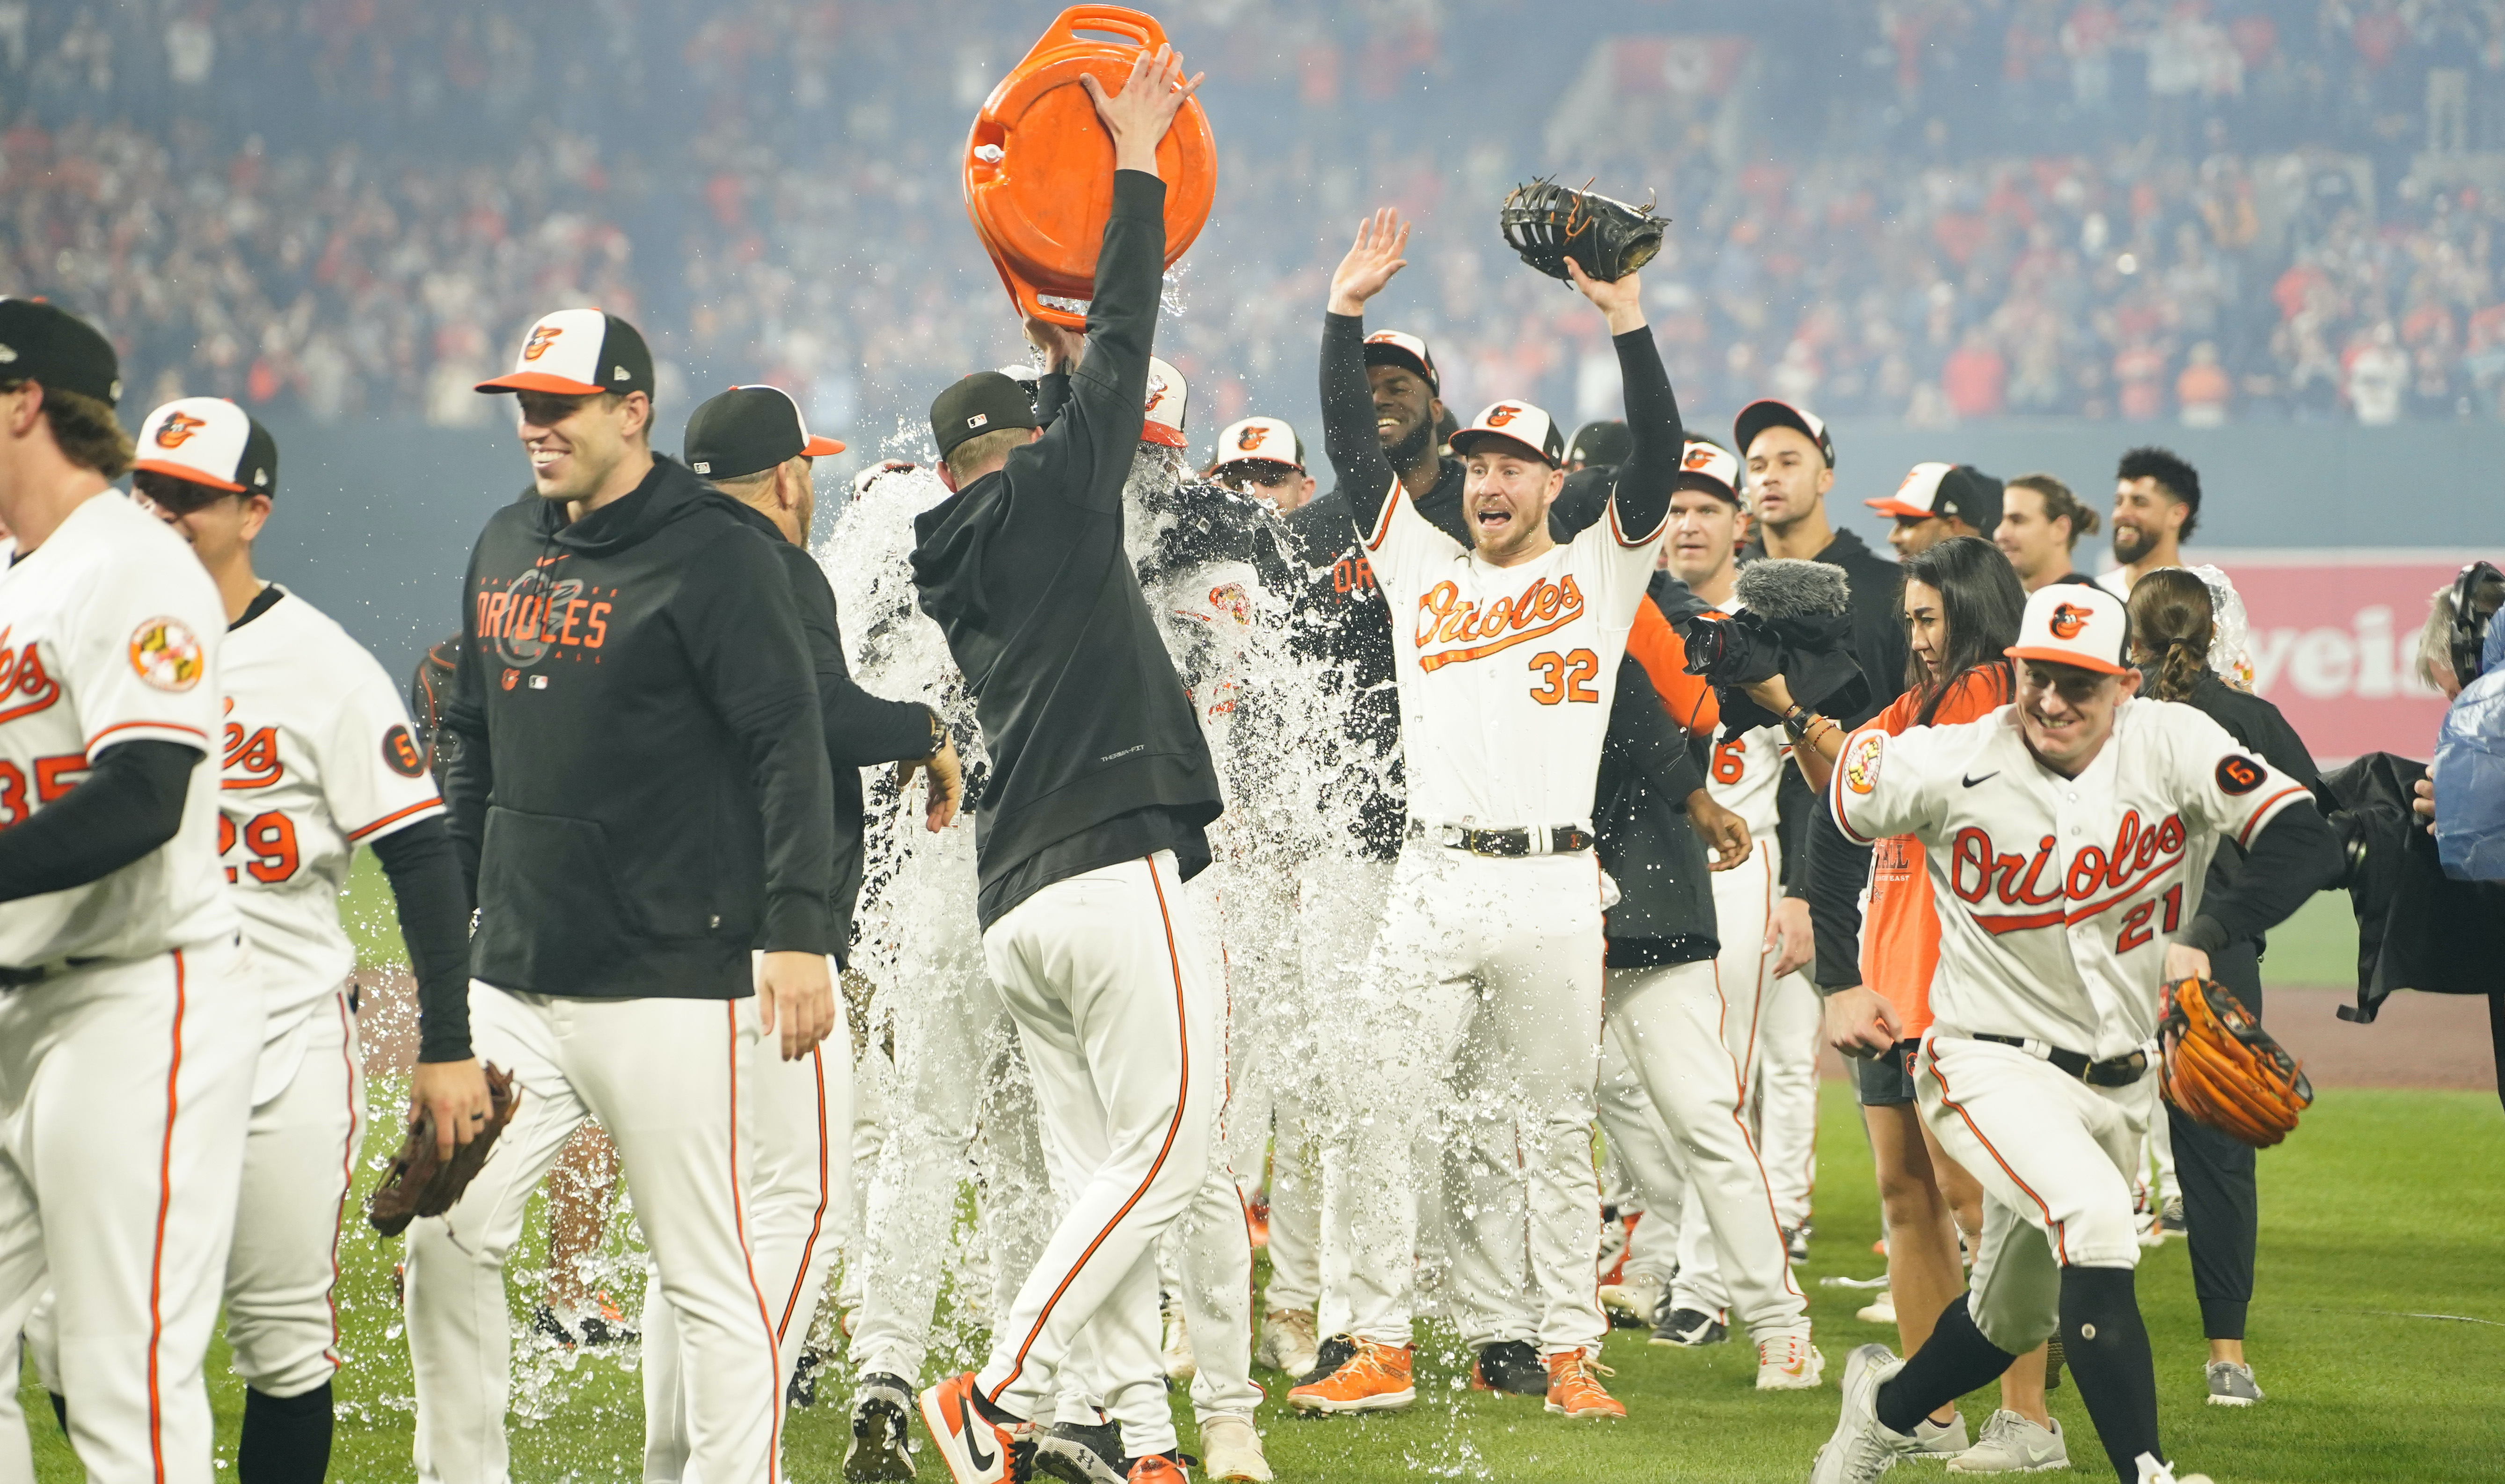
1861, 761
166, 654
2238, 775
402, 755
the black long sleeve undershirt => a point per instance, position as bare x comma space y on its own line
1832, 879
129, 803
425, 878
2296, 855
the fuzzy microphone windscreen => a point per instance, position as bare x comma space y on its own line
1789, 588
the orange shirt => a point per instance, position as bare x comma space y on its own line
1688, 698
1900, 936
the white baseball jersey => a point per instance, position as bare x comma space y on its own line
1748, 771
318, 756
1507, 673
109, 633
2056, 896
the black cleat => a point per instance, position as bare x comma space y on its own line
1690, 1328
879, 1448
1328, 1357
1511, 1367
803, 1393
1082, 1454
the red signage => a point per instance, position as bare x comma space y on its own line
2335, 643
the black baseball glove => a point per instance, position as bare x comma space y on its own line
1547, 223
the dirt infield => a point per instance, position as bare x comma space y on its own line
2419, 1041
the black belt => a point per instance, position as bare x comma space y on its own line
19, 978
1553, 839
2115, 1072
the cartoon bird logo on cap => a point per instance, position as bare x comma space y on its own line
1698, 456
541, 337
178, 430
1501, 413
2069, 619
1248, 440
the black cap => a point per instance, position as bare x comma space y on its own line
749, 429
56, 348
579, 353
1757, 416
985, 402
1604, 443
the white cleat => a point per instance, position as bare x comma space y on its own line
1179, 1363
2012, 1444
1633, 1301
1862, 1448
2151, 1471
1288, 1342
1877, 1311
1229, 1449
1788, 1363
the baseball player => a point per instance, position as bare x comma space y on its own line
1505, 652
642, 797
2040, 525
2156, 506
1262, 458
753, 444
129, 1027
318, 759
1092, 816
2067, 837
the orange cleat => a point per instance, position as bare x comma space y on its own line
1375, 1379
1157, 1468
1575, 1387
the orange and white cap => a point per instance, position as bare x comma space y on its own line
578, 353
1163, 422
209, 441
1711, 468
1260, 441
1393, 347
2074, 623
1530, 429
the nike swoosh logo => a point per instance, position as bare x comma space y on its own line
1985, 778
973, 1427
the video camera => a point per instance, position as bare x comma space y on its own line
1796, 621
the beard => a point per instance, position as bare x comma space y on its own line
1413, 445
2131, 544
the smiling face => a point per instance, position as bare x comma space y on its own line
1505, 495
576, 442
1405, 410
1705, 530
1788, 477
2066, 712
2146, 518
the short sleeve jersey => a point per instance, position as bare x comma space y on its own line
318, 755
2056, 896
110, 633
1507, 673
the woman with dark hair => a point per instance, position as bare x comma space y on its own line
2172, 625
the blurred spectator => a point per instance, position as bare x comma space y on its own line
2202, 391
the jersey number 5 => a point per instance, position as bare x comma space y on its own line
2134, 924
1566, 676
272, 839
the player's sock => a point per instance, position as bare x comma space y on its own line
1955, 1359
286, 1439
2106, 1348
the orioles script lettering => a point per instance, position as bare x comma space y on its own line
1444, 618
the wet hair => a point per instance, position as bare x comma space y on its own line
2173, 476
2172, 625
84, 430
1981, 605
2435, 640
980, 450
2060, 503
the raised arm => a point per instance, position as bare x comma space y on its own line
1646, 481
1349, 438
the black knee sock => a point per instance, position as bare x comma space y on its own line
60, 1411
2107, 1349
286, 1439
1955, 1359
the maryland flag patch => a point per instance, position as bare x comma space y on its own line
167, 654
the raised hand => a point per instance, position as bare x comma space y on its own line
1622, 302
1063, 347
1370, 262
1139, 116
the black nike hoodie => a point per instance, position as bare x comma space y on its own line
642, 794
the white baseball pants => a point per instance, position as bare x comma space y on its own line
949, 1030
665, 1079
1671, 1021
1119, 1015
124, 1092
299, 1160
2056, 1158
1212, 1243
1640, 1145
1778, 1054
1502, 955
799, 1196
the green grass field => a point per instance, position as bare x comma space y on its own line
2379, 1331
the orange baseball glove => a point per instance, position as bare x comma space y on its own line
2223, 1070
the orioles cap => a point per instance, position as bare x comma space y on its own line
1711, 468
579, 353
209, 441
748, 429
1757, 416
1162, 422
51, 346
1529, 429
2073, 624
1392, 347
1958, 490
1260, 441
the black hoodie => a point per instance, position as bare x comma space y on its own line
642, 792
1096, 754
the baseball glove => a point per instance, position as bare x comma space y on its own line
421, 1184
2223, 1070
1547, 223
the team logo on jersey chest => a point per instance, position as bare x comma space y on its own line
167, 655
1443, 617
25, 687
1981, 875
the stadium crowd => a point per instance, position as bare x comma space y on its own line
2204, 211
